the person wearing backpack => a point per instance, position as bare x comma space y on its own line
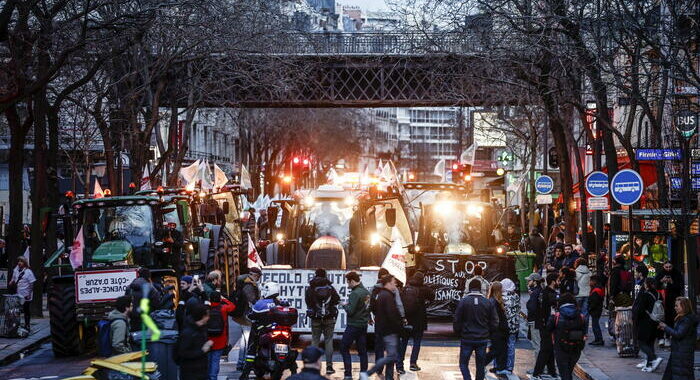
645, 325
118, 333
322, 303
548, 302
246, 295
568, 329
217, 330
414, 296
670, 283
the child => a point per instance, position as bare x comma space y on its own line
595, 309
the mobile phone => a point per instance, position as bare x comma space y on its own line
196, 278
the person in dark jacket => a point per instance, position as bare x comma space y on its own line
557, 261
322, 302
415, 296
387, 326
357, 309
135, 290
538, 246
498, 352
534, 288
568, 329
548, 303
193, 345
474, 320
644, 326
669, 282
311, 356
567, 281
378, 341
596, 301
250, 294
683, 337
621, 282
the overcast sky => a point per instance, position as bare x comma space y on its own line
371, 5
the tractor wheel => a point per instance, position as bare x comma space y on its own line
227, 253
65, 336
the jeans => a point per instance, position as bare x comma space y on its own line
510, 360
325, 327
214, 359
391, 345
378, 350
546, 355
582, 303
498, 352
648, 349
243, 344
27, 312
466, 347
566, 361
417, 336
534, 337
597, 332
359, 336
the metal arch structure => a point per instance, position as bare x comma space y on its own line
362, 70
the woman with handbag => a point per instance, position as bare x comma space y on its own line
22, 284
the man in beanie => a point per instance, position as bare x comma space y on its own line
311, 356
193, 344
322, 302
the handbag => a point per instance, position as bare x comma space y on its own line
12, 286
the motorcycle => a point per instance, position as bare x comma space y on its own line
275, 353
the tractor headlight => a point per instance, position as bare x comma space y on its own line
444, 208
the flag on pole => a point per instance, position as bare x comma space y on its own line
97, 192
204, 175
246, 183
386, 172
189, 173
332, 176
254, 259
220, 179
76, 250
469, 154
440, 170
146, 178
395, 260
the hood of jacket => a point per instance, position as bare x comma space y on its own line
116, 314
568, 311
508, 285
583, 269
416, 281
319, 281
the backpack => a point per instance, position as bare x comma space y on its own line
322, 295
410, 297
104, 337
626, 283
215, 325
572, 340
657, 311
239, 298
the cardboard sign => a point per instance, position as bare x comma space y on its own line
101, 286
294, 282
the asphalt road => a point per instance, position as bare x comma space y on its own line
439, 361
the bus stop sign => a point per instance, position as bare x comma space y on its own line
626, 187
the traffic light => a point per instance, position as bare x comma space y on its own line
461, 172
553, 158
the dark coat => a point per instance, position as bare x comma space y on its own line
671, 290
191, 358
308, 374
386, 314
683, 337
312, 302
547, 303
539, 246
418, 316
644, 326
533, 304
596, 301
475, 317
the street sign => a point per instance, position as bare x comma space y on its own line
544, 199
658, 154
544, 184
626, 187
686, 122
597, 184
598, 203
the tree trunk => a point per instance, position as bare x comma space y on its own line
39, 196
18, 135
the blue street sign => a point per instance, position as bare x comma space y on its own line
676, 183
544, 184
626, 187
597, 184
658, 154
695, 168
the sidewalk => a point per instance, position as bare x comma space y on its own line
13, 348
602, 362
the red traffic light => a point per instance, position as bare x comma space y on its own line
455, 166
295, 160
306, 161
132, 185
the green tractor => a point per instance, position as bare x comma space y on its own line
117, 235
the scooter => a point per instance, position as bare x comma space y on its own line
275, 353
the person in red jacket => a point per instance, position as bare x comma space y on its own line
217, 329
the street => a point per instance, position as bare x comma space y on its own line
438, 360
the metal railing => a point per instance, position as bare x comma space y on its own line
378, 43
